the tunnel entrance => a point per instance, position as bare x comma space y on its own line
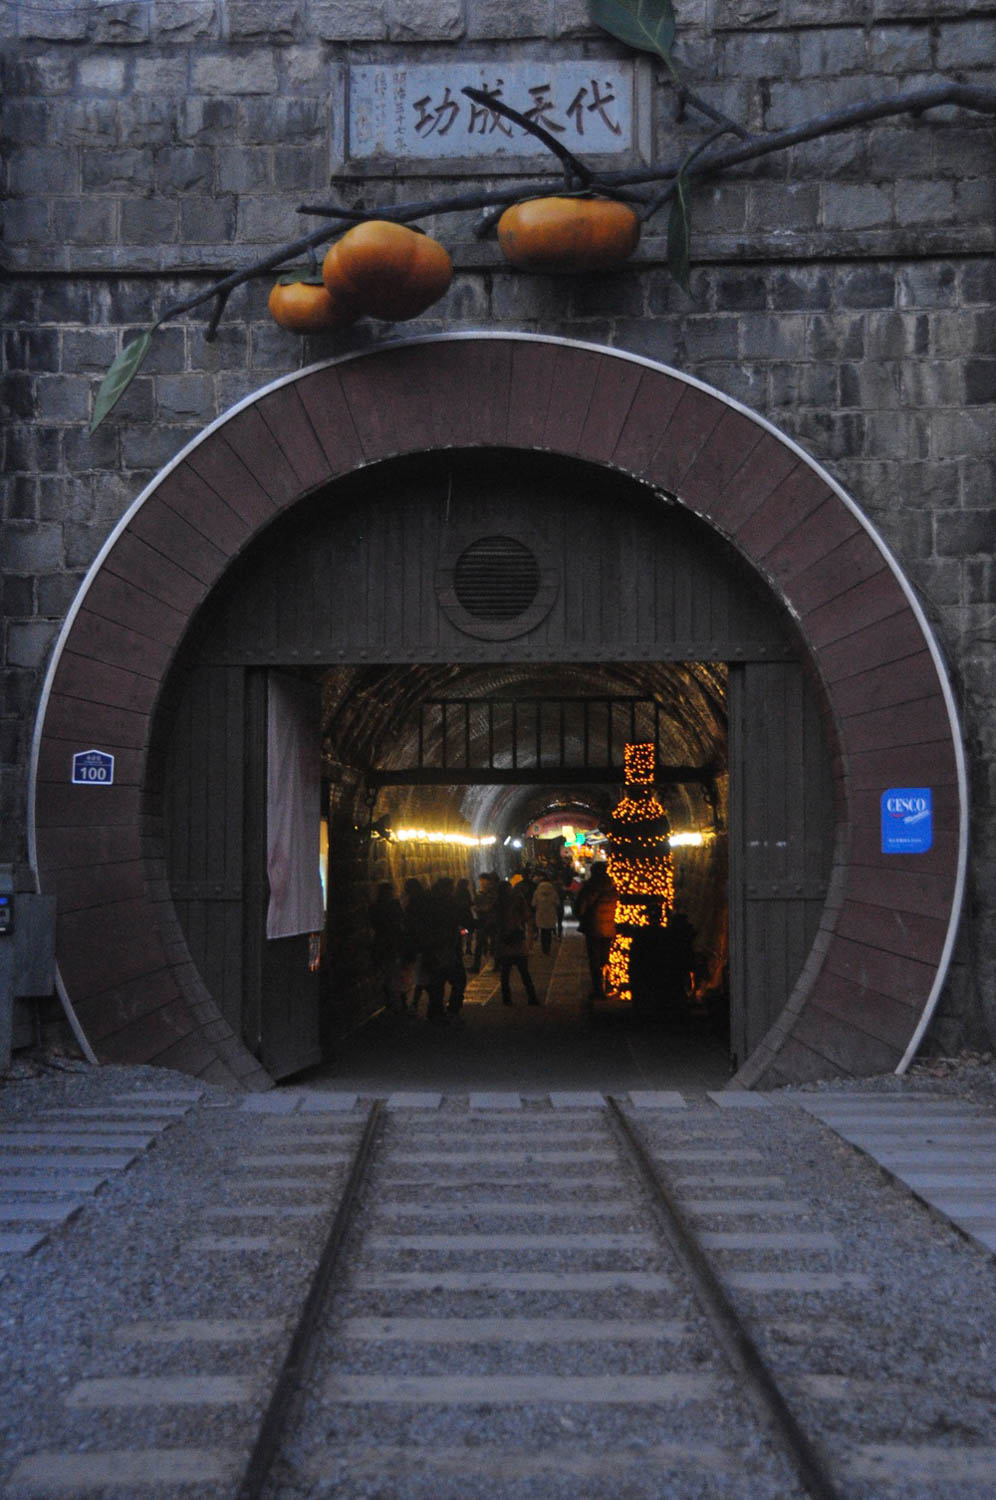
505, 693
487, 499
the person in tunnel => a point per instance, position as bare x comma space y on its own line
511, 941
546, 909
387, 921
442, 952
414, 898
595, 905
485, 918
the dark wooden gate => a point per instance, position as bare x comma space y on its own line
781, 830
215, 796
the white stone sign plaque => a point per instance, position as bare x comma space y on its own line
418, 113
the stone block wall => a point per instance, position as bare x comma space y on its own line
843, 288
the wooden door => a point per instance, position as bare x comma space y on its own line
781, 828
204, 794
215, 795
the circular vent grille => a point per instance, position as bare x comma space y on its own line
496, 578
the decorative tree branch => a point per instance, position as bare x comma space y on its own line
701, 161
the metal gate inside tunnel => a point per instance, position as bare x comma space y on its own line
481, 632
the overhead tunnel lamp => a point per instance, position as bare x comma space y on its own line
434, 836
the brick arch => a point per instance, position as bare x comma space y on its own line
875, 972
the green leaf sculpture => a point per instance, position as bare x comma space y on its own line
120, 376
648, 25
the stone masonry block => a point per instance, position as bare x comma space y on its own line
827, 53
165, 75
28, 643
25, 121
800, 287
148, 221
264, 20
960, 532
349, 20
266, 220
900, 149
35, 548
207, 221
927, 284
513, 20
866, 286
932, 383
101, 74
966, 44
26, 222
571, 18
207, 122
872, 384
759, 54
980, 381
87, 349
928, 203
977, 281
856, 206
302, 168
235, 73
425, 20
38, 170
283, 121
84, 221
63, 398
960, 434
130, 171
186, 20
120, 25
182, 396
305, 69
899, 49
773, 206
184, 169
31, 348
47, 74
52, 25
244, 169
145, 121
773, 336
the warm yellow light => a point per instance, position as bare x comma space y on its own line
640, 761
432, 836
687, 840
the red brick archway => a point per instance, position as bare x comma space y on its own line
876, 969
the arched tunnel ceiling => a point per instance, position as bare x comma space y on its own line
370, 721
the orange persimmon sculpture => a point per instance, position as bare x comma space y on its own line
309, 307
387, 270
568, 235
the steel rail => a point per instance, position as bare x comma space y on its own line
298, 1360
727, 1325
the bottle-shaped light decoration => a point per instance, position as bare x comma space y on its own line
639, 862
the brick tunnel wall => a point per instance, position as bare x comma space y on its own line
844, 289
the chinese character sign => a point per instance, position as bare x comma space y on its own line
420, 113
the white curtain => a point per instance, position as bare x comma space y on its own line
293, 807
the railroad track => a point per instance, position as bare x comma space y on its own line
521, 1301
572, 1283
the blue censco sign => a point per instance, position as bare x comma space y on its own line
907, 820
93, 768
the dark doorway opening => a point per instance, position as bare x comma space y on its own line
422, 786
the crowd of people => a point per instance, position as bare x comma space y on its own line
427, 939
